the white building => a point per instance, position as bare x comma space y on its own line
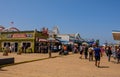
70, 38
67, 38
56, 30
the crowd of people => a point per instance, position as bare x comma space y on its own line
91, 52
94, 51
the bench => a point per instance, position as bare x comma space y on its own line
4, 61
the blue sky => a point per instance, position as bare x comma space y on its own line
91, 18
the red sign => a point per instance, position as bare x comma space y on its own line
19, 35
42, 40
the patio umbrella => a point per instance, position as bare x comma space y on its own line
84, 43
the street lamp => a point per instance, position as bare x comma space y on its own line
50, 48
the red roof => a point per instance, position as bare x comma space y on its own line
2, 28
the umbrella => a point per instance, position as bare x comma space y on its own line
84, 43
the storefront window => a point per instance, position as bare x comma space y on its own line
6, 44
25, 46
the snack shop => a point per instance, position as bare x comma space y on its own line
29, 41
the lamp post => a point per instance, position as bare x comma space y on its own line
49, 52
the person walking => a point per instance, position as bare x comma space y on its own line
90, 50
118, 55
81, 51
97, 53
109, 53
65, 49
86, 52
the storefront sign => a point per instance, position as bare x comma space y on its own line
19, 35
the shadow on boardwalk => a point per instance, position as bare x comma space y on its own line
27, 62
104, 67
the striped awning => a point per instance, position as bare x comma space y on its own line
43, 40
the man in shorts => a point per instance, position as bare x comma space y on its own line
97, 53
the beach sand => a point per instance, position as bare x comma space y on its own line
62, 66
